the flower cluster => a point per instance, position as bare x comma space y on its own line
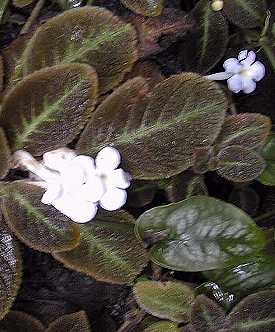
76, 184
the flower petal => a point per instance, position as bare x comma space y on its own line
232, 65
248, 85
78, 210
257, 71
86, 163
52, 193
93, 190
113, 199
118, 178
72, 178
58, 159
247, 58
235, 83
107, 159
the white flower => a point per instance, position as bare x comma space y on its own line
75, 185
217, 5
242, 73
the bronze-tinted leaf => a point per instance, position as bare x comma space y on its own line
21, 3
205, 47
38, 225
163, 326
249, 130
108, 249
20, 322
145, 7
207, 316
89, 35
5, 155
245, 13
184, 112
239, 164
76, 322
10, 269
47, 109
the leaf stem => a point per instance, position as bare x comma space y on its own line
33, 17
265, 43
131, 323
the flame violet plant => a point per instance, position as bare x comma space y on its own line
137, 176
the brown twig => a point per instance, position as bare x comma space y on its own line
33, 16
131, 323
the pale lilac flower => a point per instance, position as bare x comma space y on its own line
242, 73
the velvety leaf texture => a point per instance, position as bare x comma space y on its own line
255, 313
168, 300
163, 327
108, 249
200, 233
76, 322
145, 7
184, 112
47, 109
245, 13
239, 164
5, 155
89, 35
207, 44
38, 225
20, 322
10, 270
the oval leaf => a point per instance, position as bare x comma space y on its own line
5, 155
76, 322
21, 322
89, 35
47, 109
10, 269
168, 300
184, 112
200, 233
163, 327
247, 129
205, 47
145, 7
38, 225
245, 13
108, 249
239, 164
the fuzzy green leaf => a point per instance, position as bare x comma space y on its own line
22, 3
145, 7
163, 327
183, 112
268, 175
21, 322
200, 233
38, 225
76, 322
168, 300
5, 155
47, 109
108, 249
89, 35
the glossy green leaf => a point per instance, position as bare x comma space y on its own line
76, 322
108, 249
206, 45
245, 13
22, 3
268, 175
38, 225
145, 7
5, 155
10, 269
89, 35
168, 300
206, 315
200, 233
163, 327
255, 313
20, 322
239, 164
184, 112
249, 130
47, 109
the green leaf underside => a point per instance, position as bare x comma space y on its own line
10, 269
207, 44
108, 249
47, 109
202, 233
183, 112
268, 153
163, 327
166, 300
246, 129
245, 13
255, 313
76, 322
89, 35
5, 155
21, 322
239, 164
145, 7
38, 225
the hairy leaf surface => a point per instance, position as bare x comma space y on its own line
20, 322
145, 7
76, 322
